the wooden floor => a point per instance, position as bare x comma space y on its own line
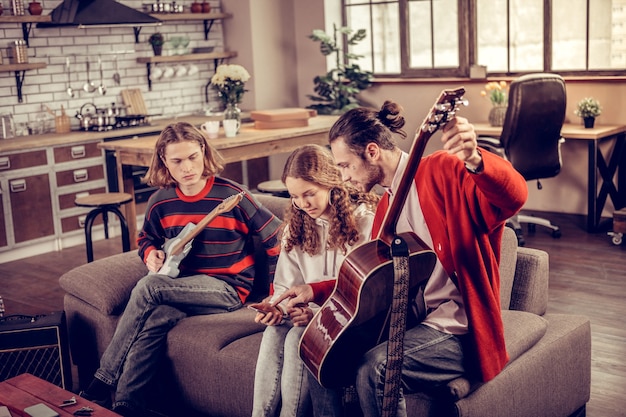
587, 276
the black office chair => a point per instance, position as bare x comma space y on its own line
531, 135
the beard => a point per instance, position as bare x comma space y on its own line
374, 175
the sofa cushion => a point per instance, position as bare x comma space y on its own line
522, 331
89, 282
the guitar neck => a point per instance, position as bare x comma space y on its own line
442, 111
224, 207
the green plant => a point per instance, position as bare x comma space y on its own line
156, 39
337, 90
588, 107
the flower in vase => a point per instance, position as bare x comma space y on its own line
588, 107
497, 91
229, 82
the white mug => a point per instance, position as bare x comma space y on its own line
168, 72
230, 127
211, 128
193, 69
180, 70
157, 72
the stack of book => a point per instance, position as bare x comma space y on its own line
281, 118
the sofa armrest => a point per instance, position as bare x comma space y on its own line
530, 286
106, 283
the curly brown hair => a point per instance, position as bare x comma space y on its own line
159, 176
315, 164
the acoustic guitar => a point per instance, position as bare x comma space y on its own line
176, 249
356, 316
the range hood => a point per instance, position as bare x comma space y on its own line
97, 13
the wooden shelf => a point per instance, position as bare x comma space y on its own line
191, 16
187, 57
25, 19
23, 67
20, 72
217, 57
208, 19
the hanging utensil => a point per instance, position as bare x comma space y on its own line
70, 90
116, 75
89, 87
101, 88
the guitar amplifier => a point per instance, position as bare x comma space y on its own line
36, 345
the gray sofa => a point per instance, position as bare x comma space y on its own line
209, 369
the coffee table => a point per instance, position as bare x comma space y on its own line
25, 390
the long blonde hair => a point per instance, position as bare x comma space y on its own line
159, 176
315, 164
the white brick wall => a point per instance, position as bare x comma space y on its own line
169, 97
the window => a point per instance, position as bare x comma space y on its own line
424, 38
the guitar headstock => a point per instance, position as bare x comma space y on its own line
443, 110
230, 202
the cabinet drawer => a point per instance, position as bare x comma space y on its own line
31, 207
77, 222
23, 160
3, 227
76, 176
66, 201
75, 152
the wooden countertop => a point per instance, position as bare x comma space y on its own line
25, 143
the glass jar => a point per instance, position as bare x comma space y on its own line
233, 111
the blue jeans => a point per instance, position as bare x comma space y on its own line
156, 304
280, 374
431, 358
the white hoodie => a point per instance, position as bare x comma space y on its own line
298, 267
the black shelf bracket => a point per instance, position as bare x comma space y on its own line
137, 31
148, 71
19, 80
26, 27
208, 23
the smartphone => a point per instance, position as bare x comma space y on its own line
258, 310
40, 410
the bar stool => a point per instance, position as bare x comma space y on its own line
274, 187
104, 203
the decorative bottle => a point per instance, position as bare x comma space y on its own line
233, 111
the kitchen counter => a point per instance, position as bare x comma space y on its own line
24, 143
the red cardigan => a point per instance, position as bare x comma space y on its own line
465, 214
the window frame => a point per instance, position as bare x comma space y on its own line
467, 12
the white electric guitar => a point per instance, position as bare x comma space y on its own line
177, 248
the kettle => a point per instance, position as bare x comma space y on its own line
87, 120
7, 126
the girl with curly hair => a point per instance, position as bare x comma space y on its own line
327, 218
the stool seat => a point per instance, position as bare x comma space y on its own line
103, 199
275, 187
104, 203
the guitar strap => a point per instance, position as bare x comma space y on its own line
397, 326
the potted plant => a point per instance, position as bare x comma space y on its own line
337, 90
588, 108
498, 93
157, 41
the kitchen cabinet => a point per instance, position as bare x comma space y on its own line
26, 197
79, 170
39, 188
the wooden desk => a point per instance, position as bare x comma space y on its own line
601, 171
25, 390
250, 143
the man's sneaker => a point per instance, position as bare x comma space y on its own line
102, 401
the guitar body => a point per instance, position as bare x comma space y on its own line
173, 260
355, 317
